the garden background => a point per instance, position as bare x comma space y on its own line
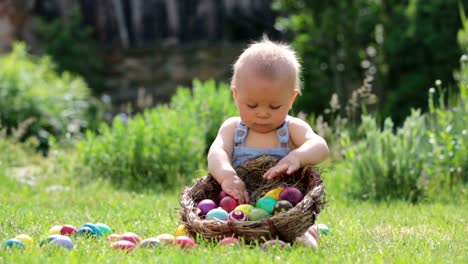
107, 109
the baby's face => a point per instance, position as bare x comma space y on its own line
263, 103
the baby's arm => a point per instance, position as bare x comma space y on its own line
219, 162
312, 149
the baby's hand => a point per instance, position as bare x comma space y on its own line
288, 165
235, 187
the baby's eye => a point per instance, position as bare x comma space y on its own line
275, 107
251, 106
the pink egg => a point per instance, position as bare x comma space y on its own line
184, 242
123, 245
205, 206
228, 203
229, 241
132, 237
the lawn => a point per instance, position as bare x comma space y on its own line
368, 232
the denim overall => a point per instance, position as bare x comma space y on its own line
241, 153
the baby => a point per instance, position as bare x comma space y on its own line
265, 83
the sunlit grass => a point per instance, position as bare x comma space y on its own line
361, 231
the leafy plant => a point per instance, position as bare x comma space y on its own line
387, 165
56, 105
163, 146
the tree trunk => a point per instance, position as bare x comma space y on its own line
122, 28
137, 20
173, 18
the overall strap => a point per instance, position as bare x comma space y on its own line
240, 134
283, 134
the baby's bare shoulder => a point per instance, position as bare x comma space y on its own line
295, 122
230, 123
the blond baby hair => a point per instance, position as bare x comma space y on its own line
273, 59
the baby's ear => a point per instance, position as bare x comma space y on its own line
295, 93
234, 92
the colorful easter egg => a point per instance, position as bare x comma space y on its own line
184, 242
55, 230
105, 229
62, 242
68, 230
291, 194
258, 214
151, 242
166, 239
274, 193
237, 215
282, 206
228, 203
123, 245
132, 237
14, 243
181, 230
217, 213
274, 243
97, 232
324, 229
205, 206
26, 239
245, 208
266, 203
48, 239
229, 241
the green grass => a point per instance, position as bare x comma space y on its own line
361, 232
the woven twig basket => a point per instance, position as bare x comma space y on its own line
286, 226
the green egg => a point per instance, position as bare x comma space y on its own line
266, 203
258, 214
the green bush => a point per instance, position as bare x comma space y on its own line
54, 105
387, 165
163, 146
426, 158
211, 105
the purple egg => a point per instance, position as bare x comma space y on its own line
205, 206
62, 241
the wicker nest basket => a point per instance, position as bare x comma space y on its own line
286, 226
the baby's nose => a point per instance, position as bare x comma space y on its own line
263, 113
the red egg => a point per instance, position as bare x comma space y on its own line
123, 245
237, 215
205, 206
229, 241
132, 237
184, 242
228, 203
68, 230
291, 194
221, 195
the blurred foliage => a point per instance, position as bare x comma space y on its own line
213, 105
71, 45
35, 101
406, 45
163, 146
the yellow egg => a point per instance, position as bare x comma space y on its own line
55, 230
245, 208
274, 193
181, 231
166, 238
26, 239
